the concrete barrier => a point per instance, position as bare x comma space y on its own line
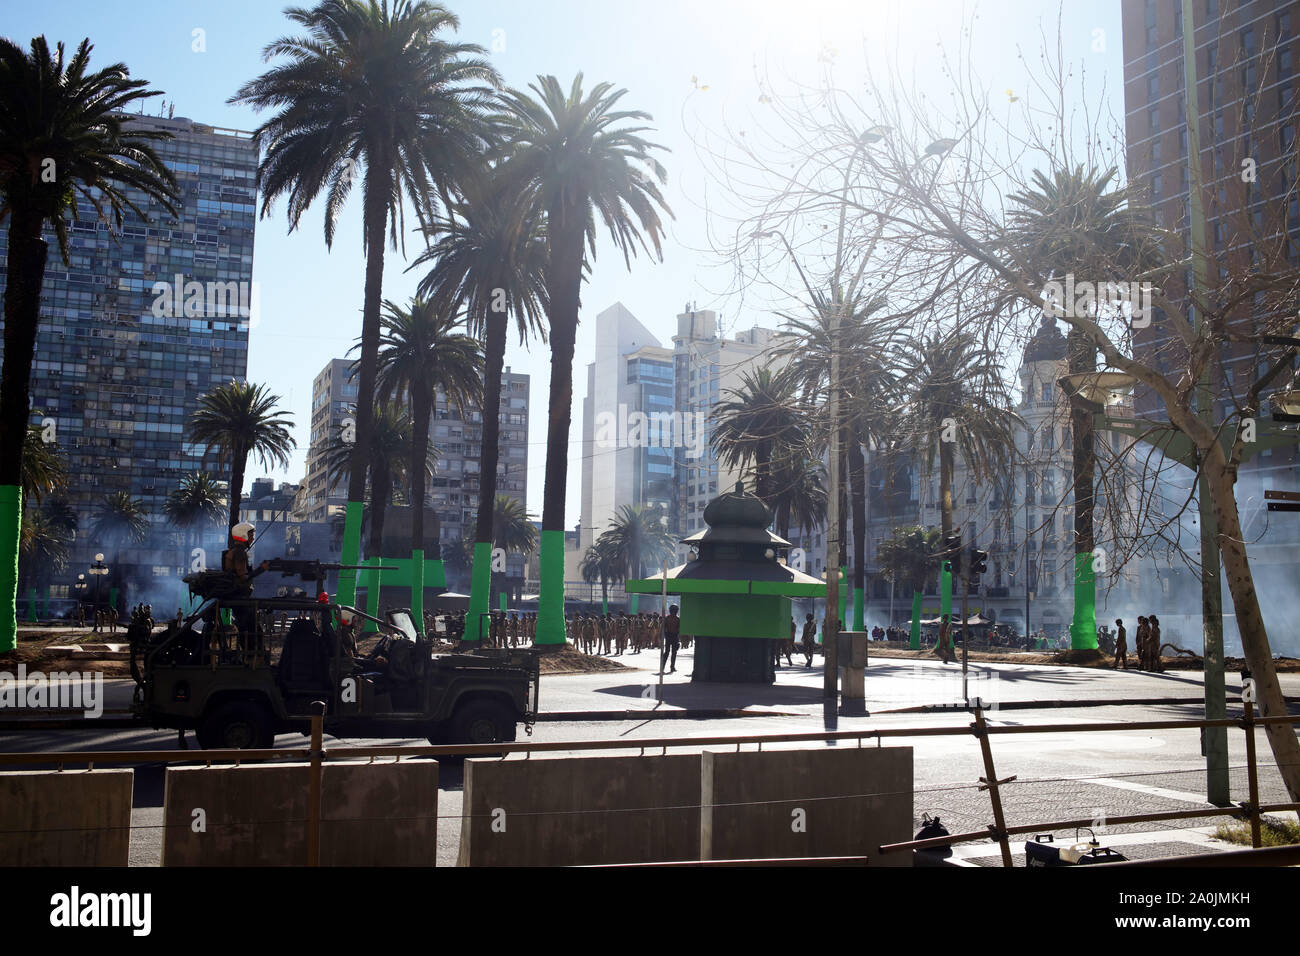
833, 801
573, 811
380, 814
68, 818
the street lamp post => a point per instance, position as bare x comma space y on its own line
98, 569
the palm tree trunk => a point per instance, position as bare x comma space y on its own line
378, 191
945, 511
493, 359
238, 465
24, 276
1083, 628
421, 412
858, 492
1250, 622
381, 492
563, 282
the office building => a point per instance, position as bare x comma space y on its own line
136, 327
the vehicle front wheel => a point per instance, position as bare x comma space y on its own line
483, 722
236, 725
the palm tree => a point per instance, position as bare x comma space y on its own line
799, 498
456, 558
954, 401
199, 500
762, 427
867, 386
64, 135
239, 419
637, 534
488, 256
373, 87
910, 560
120, 520
600, 564
513, 528
1081, 221
575, 158
44, 470
390, 465
421, 352
43, 549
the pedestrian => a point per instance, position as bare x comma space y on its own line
809, 639
1121, 645
1157, 659
672, 640
1143, 641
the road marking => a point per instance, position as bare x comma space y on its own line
1167, 794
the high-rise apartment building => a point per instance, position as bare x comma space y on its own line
137, 326
453, 487
333, 403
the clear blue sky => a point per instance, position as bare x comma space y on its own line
660, 50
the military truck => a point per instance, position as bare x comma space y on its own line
240, 670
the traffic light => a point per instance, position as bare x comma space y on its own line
951, 551
979, 561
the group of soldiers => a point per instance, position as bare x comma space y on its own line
1147, 640
105, 620
611, 634
504, 629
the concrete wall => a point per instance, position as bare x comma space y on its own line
73, 818
769, 804
567, 811
380, 814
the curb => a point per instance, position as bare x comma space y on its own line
121, 720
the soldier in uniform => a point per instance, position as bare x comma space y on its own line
809, 639
1157, 662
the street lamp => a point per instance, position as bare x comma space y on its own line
1098, 388
98, 569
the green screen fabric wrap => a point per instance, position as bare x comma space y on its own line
1083, 629
550, 609
480, 597
351, 552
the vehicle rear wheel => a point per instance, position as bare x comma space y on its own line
483, 722
236, 725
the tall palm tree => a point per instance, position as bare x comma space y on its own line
390, 465
1080, 220
762, 427
64, 136
599, 563
954, 401
372, 90
575, 157
867, 386
488, 260
638, 534
239, 419
199, 500
422, 352
513, 528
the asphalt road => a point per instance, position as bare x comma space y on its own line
1060, 775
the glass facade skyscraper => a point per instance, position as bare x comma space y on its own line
135, 328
